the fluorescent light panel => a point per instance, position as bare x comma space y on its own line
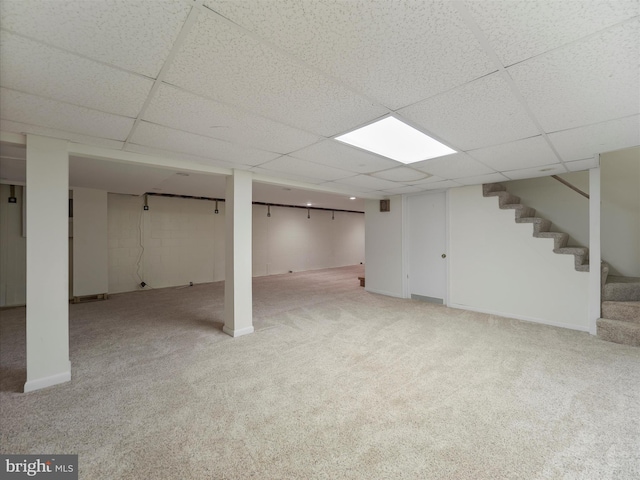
394, 139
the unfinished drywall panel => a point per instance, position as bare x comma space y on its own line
13, 249
620, 211
497, 266
384, 248
90, 242
564, 207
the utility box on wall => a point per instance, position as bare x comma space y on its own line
385, 205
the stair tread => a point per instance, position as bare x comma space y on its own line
621, 310
572, 250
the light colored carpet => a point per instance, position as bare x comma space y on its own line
335, 383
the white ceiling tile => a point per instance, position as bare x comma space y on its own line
452, 166
440, 185
401, 174
587, 82
179, 109
295, 166
389, 50
31, 67
476, 180
579, 165
365, 181
134, 35
158, 152
518, 30
287, 176
165, 138
541, 171
23, 128
37, 111
403, 190
530, 152
115, 177
481, 113
335, 154
222, 62
432, 179
583, 142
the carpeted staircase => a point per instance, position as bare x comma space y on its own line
620, 320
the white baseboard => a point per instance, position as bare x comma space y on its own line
45, 382
581, 328
382, 292
237, 333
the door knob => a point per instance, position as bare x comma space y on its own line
444, 255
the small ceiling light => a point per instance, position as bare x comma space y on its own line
268, 210
146, 204
352, 198
309, 204
216, 210
396, 140
12, 194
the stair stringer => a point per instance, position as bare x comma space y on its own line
541, 226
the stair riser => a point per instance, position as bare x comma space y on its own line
621, 292
626, 311
619, 332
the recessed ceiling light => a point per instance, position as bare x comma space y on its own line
308, 204
352, 198
395, 139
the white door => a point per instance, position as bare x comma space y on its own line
426, 242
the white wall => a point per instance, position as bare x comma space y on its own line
13, 250
567, 209
184, 242
384, 247
497, 266
90, 255
620, 211
289, 241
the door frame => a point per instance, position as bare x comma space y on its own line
405, 241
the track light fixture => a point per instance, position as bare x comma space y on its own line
268, 210
216, 210
12, 195
146, 204
308, 212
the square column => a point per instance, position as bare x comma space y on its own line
47, 262
238, 291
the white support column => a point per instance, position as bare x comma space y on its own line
47, 263
238, 292
595, 271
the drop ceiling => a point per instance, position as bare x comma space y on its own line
520, 89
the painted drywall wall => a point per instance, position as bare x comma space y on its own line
497, 266
181, 240
90, 254
13, 249
620, 211
289, 241
567, 209
384, 247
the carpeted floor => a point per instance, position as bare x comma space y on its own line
335, 383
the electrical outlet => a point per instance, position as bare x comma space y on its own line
191, 284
